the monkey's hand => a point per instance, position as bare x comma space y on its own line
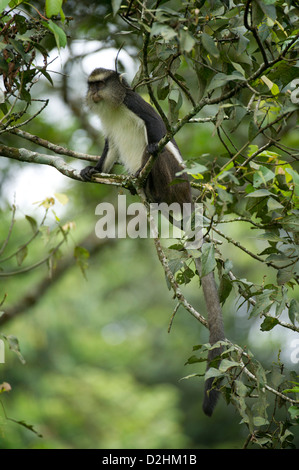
88, 172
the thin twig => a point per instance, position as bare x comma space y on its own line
248, 252
253, 29
36, 233
4, 245
33, 266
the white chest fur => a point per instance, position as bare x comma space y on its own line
126, 133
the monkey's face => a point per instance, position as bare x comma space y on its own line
105, 86
94, 90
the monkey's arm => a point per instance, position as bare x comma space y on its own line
155, 127
155, 131
103, 165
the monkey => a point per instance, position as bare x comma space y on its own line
133, 130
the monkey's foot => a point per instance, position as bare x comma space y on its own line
88, 172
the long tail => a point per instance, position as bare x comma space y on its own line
216, 329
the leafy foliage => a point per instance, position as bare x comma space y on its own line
22, 39
242, 61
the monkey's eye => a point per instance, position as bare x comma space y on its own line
99, 83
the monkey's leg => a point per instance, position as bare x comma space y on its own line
104, 165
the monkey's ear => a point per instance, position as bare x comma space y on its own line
123, 81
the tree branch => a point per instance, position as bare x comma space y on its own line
253, 29
28, 156
55, 148
249, 253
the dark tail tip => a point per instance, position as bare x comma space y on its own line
211, 396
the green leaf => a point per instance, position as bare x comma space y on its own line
59, 34
273, 205
62, 15
272, 86
186, 41
260, 193
13, 3
291, 223
224, 195
262, 176
176, 97
252, 130
294, 411
14, 346
269, 323
18, 46
241, 389
208, 262
32, 222
263, 303
275, 90
272, 236
238, 68
260, 421
292, 390
25, 425
81, 255
209, 45
212, 372
224, 289
163, 30
21, 255
116, 4
221, 79
295, 177
277, 378
162, 90
226, 364
196, 169
242, 45
185, 276
45, 74
268, 9
53, 7
284, 276
294, 310
194, 359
